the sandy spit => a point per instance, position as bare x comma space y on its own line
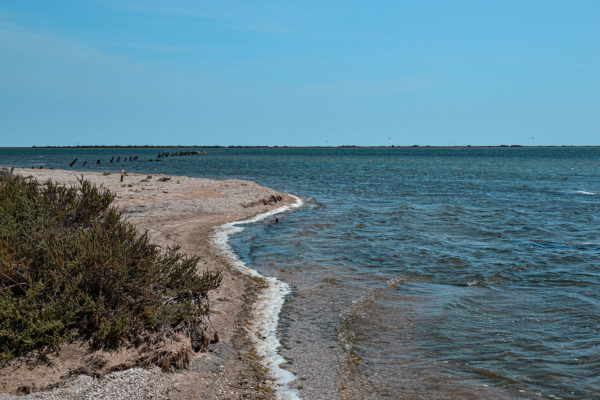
173, 210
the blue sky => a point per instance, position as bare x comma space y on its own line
299, 72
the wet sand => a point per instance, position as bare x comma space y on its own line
182, 211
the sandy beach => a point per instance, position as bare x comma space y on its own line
173, 210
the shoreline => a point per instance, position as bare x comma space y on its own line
192, 213
350, 146
268, 304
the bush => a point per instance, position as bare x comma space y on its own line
70, 267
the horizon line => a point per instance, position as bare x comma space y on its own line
293, 147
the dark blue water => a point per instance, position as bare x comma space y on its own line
422, 272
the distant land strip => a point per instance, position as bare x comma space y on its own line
294, 147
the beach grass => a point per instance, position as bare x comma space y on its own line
72, 268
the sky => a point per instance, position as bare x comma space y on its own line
299, 73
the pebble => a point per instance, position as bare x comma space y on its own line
134, 383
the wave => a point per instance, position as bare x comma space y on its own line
312, 203
586, 193
552, 244
360, 307
393, 353
267, 306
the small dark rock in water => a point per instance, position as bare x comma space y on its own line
85, 162
276, 220
97, 162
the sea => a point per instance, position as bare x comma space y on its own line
415, 273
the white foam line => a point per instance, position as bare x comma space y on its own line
266, 309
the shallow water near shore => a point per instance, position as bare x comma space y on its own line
418, 273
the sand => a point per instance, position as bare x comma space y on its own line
173, 210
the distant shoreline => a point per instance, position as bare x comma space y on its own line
297, 147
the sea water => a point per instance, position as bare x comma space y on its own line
418, 272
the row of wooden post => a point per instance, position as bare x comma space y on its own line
182, 153
135, 158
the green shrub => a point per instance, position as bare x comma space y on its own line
70, 267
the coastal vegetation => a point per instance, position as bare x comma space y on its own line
71, 268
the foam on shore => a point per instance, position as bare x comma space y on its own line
266, 309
